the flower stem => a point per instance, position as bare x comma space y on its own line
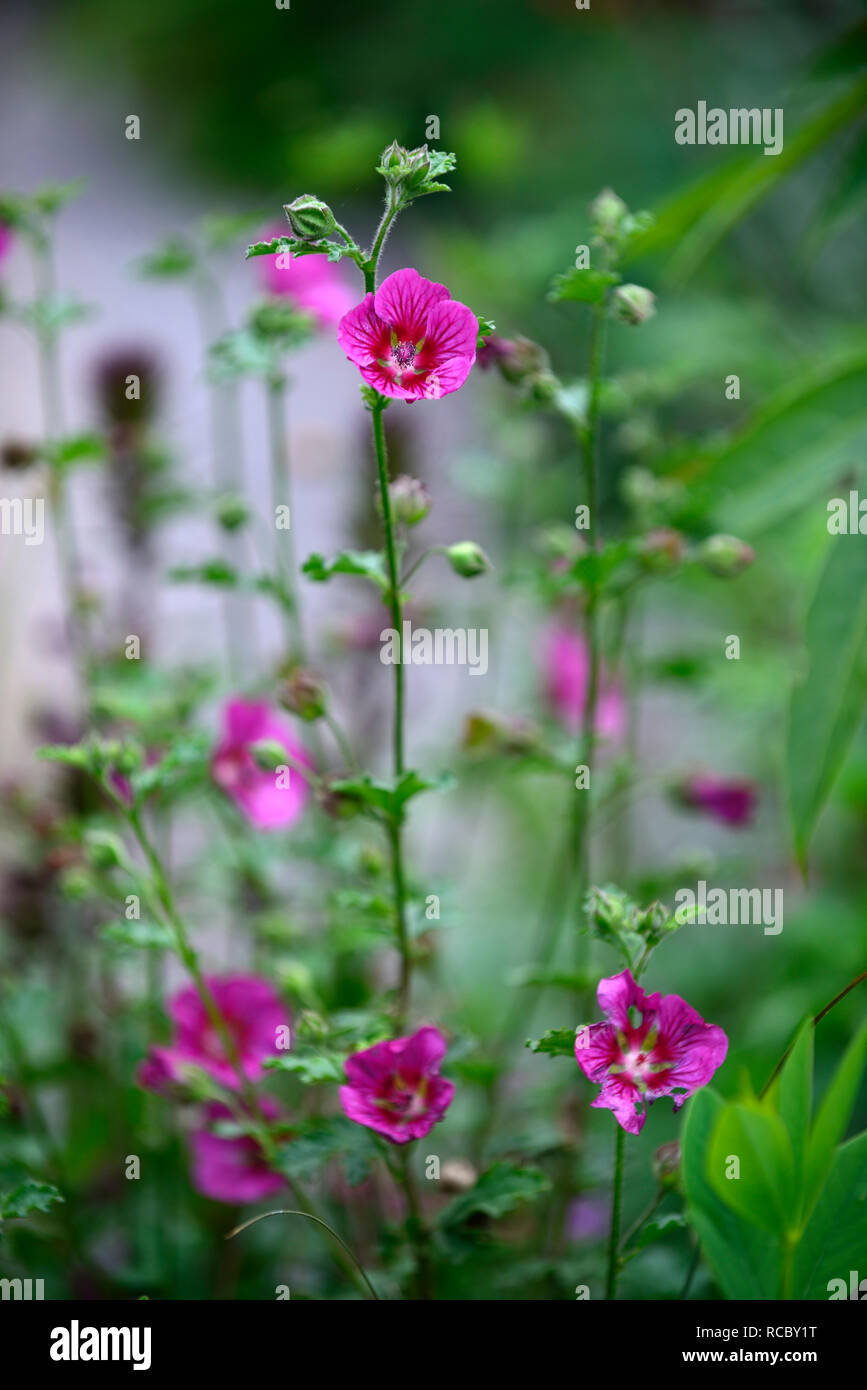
617, 1191
284, 559
395, 824
416, 1228
355, 1268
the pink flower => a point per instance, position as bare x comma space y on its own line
395, 1087
410, 340
232, 1170
313, 283
732, 801
652, 1046
5, 240
254, 1015
566, 664
258, 793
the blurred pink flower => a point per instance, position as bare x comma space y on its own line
232, 1169
410, 339
5, 241
313, 283
395, 1087
253, 1013
256, 791
566, 667
586, 1218
732, 800
652, 1046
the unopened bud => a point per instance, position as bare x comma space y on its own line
410, 500
232, 512
634, 304
662, 549
725, 556
467, 559
304, 694
607, 211
666, 1164
309, 218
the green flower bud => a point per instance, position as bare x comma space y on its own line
305, 695
725, 556
666, 1164
634, 304
392, 161
607, 212
410, 500
268, 754
232, 512
467, 559
310, 218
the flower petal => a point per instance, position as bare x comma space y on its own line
405, 300
363, 335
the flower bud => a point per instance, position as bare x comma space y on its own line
725, 556
309, 218
634, 304
410, 500
467, 559
607, 211
486, 732
232, 512
305, 695
19, 453
392, 161
666, 1164
662, 549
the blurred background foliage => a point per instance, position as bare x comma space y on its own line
758, 263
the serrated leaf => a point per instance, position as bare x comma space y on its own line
311, 1068
586, 286
657, 1229
498, 1191
142, 935
27, 1197
368, 563
557, 1042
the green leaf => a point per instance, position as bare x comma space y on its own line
746, 1262
172, 259
27, 1197
152, 936
792, 1094
587, 286
835, 1238
834, 1114
323, 1141
385, 798
215, 572
312, 1068
369, 563
791, 452
655, 1230
696, 220
827, 705
498, 1191
763, 1192
557, 1042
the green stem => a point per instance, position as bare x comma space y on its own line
281, 489
348, 1259
616, 1195
416, 1229
370, 264
395, 824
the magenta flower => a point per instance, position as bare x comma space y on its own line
270, 800
313, 283
5, 240
566, 665
255, 1017
395, 1087
730, 800
652, 1046
410, 339
232, 1169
